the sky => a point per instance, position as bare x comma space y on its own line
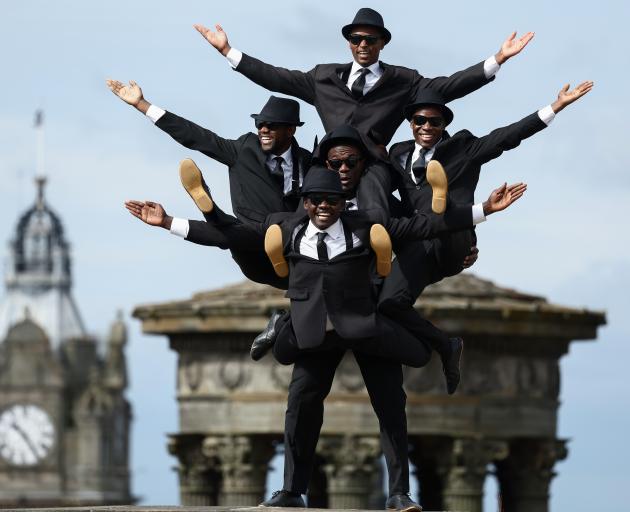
567, 239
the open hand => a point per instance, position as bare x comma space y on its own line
503, 197
217, 39
149, 212
566, 97
131, 93
512, 46
470, 260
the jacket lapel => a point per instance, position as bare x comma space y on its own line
335, 75
387, 74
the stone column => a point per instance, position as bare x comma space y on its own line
465, 472
351, 462
525, 476
244, 463
199, 479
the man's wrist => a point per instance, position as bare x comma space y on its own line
487, 208
167, 222
226, 49
557, 106
500, 58
142, 105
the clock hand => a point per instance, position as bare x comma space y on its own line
26, 438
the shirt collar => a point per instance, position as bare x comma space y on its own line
418, 147
374, 68
335, 231
287, 156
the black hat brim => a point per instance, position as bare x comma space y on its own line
267, 119
446, 112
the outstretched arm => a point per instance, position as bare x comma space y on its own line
131, 94
566, 97
512, 46
286, 81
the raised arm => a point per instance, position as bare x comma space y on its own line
290, 82
509, 137
468, 80
185, 132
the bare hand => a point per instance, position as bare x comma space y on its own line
149, 212
512, 46
503, 197
217, 39
470, 260
566, 97
131, 93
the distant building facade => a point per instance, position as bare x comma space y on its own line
64, 419
502, 419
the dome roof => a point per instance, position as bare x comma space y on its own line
26, 331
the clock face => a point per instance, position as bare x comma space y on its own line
26, 435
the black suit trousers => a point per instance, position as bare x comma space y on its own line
310, 384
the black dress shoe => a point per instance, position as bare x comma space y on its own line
265, 340
284, 499
450, 364
403, 503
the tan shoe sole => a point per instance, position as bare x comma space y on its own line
436, 177
192, 180
275, 250
381, 244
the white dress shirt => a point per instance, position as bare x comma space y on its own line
287, 168
376, 71
335, 241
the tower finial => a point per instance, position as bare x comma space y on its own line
40, 181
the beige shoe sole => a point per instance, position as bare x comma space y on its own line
192, 180
436, 177
275, 250
381, 244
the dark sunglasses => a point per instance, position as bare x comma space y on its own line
356, 39
436, 122
269, 126
351, 162
332, 200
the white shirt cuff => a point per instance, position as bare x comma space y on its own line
180, 227
477, 214
154, 113
234, 57
546, 114
490, 67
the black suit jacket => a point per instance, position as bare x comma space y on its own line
342, 288
377, 114
462, 156
254, 192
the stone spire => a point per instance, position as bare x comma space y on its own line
115, 375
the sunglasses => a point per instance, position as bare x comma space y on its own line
332, 200
436, 122
269, 126
351, 162
356, 39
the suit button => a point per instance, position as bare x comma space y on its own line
415, 211
417, 187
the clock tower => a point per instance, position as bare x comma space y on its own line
64, 419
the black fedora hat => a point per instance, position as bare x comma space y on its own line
342, 134
367, 16
321, 180
279, 110
430, 98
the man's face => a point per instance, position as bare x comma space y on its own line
275, 137
324, 209
349, 162
365, 53
425, 134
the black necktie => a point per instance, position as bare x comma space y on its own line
419, 166
359, 84
322, 250
278, 173
349, 205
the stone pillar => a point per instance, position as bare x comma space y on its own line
351, 462
427, 454
244, 463
465, 472
525, 476
199, 479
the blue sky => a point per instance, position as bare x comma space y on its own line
567, 240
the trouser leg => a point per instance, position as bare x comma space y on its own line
310, 384
384, 383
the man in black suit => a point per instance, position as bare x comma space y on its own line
333, 309
462, 156
366, 93
265, 169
